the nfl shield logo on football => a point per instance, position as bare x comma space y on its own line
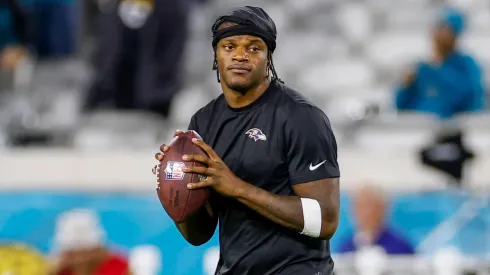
173, 171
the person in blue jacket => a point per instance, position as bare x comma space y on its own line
371, 229
448, 84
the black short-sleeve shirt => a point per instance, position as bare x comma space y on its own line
274, 143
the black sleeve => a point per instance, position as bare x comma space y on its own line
311, 146
194, 125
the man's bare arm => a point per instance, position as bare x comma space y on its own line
287, 210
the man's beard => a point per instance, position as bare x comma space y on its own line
242, 89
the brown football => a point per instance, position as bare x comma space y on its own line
178, 201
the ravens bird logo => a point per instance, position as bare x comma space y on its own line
256, 134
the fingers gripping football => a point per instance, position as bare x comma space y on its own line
218, 175
213, 163
210, 170
176, 198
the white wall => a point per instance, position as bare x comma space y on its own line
131, 170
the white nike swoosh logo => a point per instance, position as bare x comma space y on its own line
312, 168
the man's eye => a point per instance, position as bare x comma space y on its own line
228, 47
254, 49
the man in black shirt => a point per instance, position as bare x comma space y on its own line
272, 161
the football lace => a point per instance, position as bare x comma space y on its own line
158, 175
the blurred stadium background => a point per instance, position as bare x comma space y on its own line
345, 55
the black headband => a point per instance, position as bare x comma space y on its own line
268, 38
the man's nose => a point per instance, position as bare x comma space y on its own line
240, 55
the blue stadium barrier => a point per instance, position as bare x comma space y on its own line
138, 219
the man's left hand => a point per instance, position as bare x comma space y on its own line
219, 176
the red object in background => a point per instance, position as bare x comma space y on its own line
113, 265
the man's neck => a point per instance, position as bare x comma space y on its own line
238, 100
445, 53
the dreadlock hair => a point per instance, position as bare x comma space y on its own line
270, 67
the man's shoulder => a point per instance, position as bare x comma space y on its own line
467, 59
292, 98
297, 107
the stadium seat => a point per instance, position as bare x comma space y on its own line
379, 95
3, 139
305, 6
394, 49
389, 6
479, 19
66, 73
186, 103
336, 76
355, 21
409, 18
390, 133
301, 49
477, 44
222, 5
478, 132
112, 129
342, 110
475, 120
407, 120
387, 140
200, 19
322, 21
355, 104
468, 5
280, 14
198, 57
64, 111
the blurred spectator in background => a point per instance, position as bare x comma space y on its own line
79, 241
146, 260
20, 259
14, 34
140, 46
369, 211
55, 27
451, 82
